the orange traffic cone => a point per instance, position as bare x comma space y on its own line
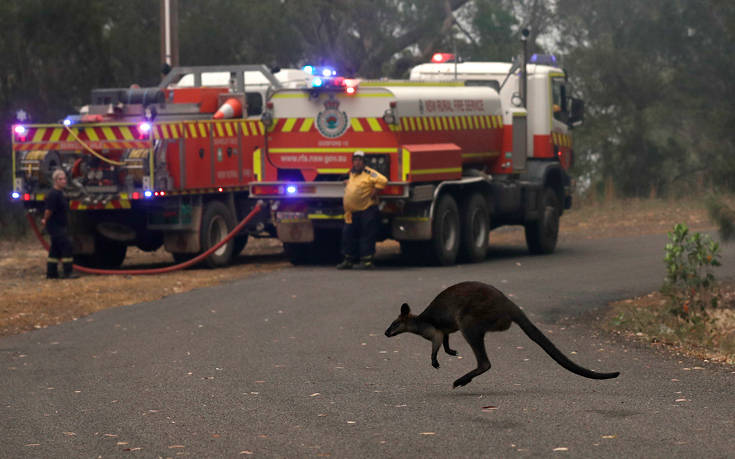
232, 108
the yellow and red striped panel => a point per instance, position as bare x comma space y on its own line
201, 129
53, 137
562, 140
449, 123
304, 125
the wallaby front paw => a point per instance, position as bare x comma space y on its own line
435, 364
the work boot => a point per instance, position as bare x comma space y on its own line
52, 270
346, 264
365, 263
69, 272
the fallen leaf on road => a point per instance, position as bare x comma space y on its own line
70, 434
428, 433
315, 394
489, 408
176, 447
561, 448
609, 437
249, 453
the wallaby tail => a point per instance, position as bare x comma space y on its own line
539, 338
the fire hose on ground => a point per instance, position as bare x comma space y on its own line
167, 269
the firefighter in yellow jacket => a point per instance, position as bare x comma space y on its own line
361, 214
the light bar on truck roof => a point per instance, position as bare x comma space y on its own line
543, 59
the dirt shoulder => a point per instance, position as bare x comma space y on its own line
30, 301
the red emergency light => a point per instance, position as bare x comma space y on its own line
438, 58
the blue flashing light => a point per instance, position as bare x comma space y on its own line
15, 195
291, 189
543, 59
20, 130
317, 82
67, 122
148, 193
327, 72
308, 69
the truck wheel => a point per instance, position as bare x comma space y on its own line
217, 222
541, 234
239, 243
474, 229
445, 231
108, 254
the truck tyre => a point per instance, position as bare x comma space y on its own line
217, 222
474, 229
239, 243
444, 244
542, 234
108, 254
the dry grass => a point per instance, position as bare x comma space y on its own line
31, 301
649, 318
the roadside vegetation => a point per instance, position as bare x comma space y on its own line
693, 312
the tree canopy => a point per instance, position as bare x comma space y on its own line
657, 76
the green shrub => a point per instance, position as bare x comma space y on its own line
690, 282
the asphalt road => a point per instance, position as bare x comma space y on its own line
294, 363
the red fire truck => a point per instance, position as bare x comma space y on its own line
467, 147
155, 166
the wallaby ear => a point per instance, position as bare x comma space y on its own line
405, 309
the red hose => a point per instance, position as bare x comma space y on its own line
167, 269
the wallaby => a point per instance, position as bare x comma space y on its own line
476, 308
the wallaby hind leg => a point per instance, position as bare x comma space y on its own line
476, 340
446, 346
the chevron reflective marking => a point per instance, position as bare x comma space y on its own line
288, 125
202, 129
375, 124
56, 135
38, 136
126, 133
91, 134
306, 125
356, 126
108, 132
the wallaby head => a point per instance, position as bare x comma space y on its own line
401, 324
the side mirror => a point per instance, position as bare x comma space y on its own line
576, 117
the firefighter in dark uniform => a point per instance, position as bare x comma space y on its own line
361, 214
55, 221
